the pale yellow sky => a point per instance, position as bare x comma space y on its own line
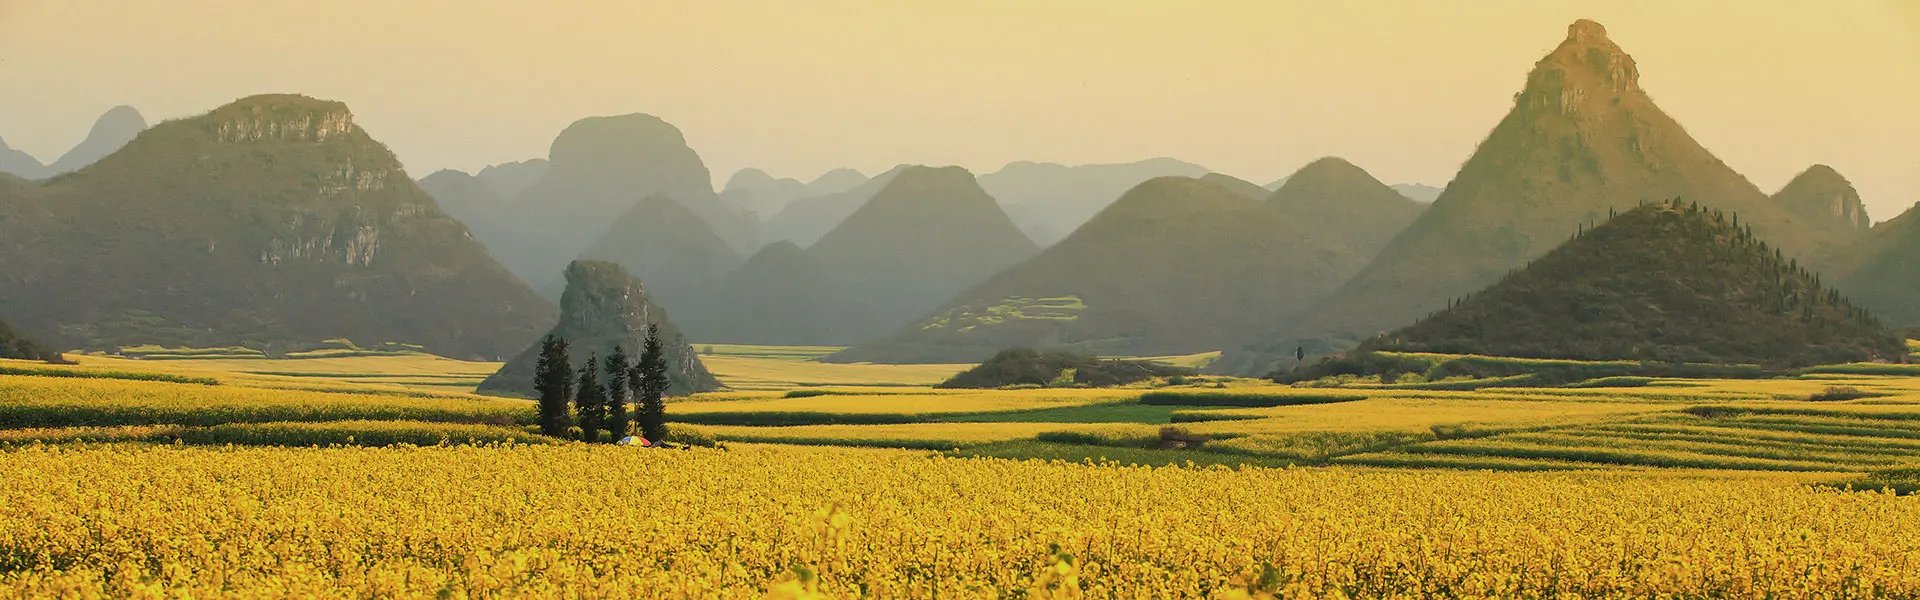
1254, 88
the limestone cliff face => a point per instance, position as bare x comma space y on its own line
602, 307
277, 119
274, 221
1825, 197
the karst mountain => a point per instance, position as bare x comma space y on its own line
272, 222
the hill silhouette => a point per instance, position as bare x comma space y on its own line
272, 222
20, 164
928, 234
597, 170
604, 306
110, 133
1237, 185
669, 247
1882, 269
13, 345
1582, 139
1418, 192
753, 191
803, 221
467, 198
1176, 265
1344, 205
509, 179
1663, 282
1049, 201
1025, 366
835, 181
780, 295
1824, 200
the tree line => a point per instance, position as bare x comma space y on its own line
570, 397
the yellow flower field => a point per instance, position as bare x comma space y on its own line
159, 521
920, 402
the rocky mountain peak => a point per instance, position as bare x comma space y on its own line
1587, 69
1822, 193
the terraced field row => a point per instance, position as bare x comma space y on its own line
1847, 437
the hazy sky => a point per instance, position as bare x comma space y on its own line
1254, 89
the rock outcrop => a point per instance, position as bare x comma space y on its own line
1823, 199
604, 306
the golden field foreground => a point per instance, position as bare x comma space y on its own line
144, 521
382, 476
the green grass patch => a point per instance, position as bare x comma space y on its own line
1115, 438
1315, 447
1112, 412
150, 352
1464, 384
790, 418
1620, 381
1243, 399
1888, 369
1204, 416
794, 353
1717, 412
1903, 481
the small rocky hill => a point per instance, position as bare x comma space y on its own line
604, 306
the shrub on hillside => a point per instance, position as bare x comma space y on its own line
1840, 392
1057, 368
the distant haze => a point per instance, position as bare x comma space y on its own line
1254, 89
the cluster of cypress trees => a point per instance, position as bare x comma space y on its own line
569, 397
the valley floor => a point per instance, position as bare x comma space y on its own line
380, 475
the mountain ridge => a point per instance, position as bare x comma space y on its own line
1176, 265
272, 222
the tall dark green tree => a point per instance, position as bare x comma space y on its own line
553, 379
589, 400
619, 386
651, 373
